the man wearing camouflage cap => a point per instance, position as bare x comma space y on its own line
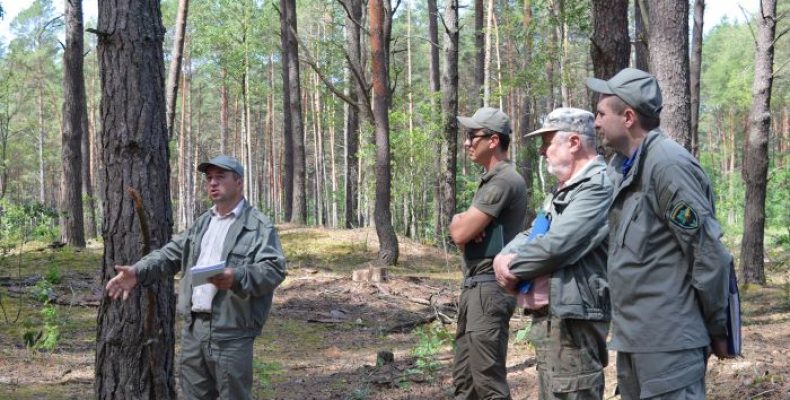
223, 317
494, 218
569, 299
668, 270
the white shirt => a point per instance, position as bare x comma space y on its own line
211, 253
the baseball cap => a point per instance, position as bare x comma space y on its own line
489, 118
568, 119
227, 163
635, 87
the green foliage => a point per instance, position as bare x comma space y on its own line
522, 334
42, 291
28, 221
46, 335
430, 341
265, 371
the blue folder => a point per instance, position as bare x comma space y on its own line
540, 226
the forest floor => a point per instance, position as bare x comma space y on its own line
324, 332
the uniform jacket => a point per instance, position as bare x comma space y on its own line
252, 248
574, 249
668, 270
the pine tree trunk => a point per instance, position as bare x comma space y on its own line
175, 64
610, 46
41, 135
755, 163
641, 53
351, 130
668, 35
299, 200
449, 113
72, 227
87, 178
135, 339
434, 81
223, 112
696, 68
379, 37
288, 131
480, 53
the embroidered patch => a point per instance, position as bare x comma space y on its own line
684, 216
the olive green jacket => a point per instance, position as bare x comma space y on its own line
573, 251
668, 270
252, 248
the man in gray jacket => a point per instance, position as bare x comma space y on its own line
223, 317
668, 270
569, 299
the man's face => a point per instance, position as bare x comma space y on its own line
222, 185
610, 124
557, 151
478, 146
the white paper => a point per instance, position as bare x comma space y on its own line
201, 273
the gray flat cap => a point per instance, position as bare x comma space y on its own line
489, 118
568, 120
635, 87
227, 163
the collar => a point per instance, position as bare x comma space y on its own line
498, 167
592, 167
234, 213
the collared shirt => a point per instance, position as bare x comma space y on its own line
211, 253
627, 164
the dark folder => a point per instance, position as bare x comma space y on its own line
734, 340
490, 246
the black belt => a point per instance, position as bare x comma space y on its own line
472, 281
539, 313
205, 316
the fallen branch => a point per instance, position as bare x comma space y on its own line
409, 325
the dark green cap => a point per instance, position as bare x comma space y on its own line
227, 163
489, 118
635, 87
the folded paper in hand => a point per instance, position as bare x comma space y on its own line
201, 273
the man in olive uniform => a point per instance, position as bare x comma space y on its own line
223, 317
567, 264
496, 215
668, 270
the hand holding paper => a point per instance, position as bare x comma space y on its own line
201, 273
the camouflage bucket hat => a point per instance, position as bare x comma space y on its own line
568, 119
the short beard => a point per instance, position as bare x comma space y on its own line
561, 172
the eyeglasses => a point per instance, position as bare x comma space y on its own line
470, 136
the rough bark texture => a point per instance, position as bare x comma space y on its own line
641, 54
223, 112
755, 163
87, 179
379, 36
696, 68
175, 64
610, 46
449, 113
299, 195
480, 53
434, 81
74, 105
134, 358
351, 159
288, 147
669, 62
528, 152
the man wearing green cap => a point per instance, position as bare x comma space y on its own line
222, 317
668, 270
494, 218
569, 297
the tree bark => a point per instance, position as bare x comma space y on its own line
299, 196
379, 36
696, 68
610, 46
288, 134
223, 112
356, 94
641, 53
74, 105
434, 81
449, 113
135, 338
669, 62
175, 64
87, 180
755, 165
480, 53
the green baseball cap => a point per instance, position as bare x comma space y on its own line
635, 87
568, 119
489, 118
227, 163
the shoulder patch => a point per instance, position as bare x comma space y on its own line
684, 216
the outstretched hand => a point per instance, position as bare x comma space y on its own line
123, 283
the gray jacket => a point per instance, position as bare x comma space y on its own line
252, 248
574, 249
668, 270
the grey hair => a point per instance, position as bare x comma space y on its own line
588, 142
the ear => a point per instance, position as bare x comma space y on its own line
629, 116
494, 142
574, 143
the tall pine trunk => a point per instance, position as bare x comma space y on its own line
135, 339
288, 133
175, 64
755, 164
449, 112
696, 69
74, 104
641, 53
669, 61
353, 112
299, 199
